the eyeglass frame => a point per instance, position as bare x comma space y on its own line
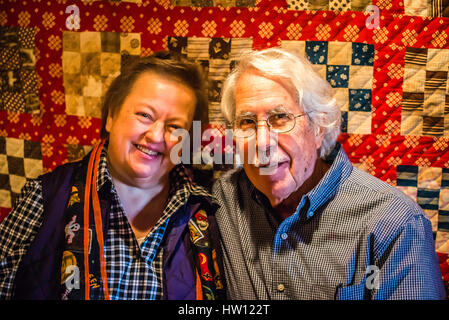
268, 124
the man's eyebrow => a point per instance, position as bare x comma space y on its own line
245, 114
277, 109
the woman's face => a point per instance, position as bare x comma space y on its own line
139, 133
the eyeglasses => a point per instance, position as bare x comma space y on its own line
246, 126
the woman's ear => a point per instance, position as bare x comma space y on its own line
109, 122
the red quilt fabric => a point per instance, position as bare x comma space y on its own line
387, 60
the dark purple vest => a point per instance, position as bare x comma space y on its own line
39, 273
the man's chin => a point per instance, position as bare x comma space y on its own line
276, 197
275, 191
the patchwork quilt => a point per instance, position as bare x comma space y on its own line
387, 61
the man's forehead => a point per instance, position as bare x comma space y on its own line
255, 88
275, 109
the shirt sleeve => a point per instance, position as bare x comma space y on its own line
17, 231
409, 268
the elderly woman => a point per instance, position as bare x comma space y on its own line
125, 222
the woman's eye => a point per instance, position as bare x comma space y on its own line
145, 115
173, 127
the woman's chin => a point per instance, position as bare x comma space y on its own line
142, 174
153, 173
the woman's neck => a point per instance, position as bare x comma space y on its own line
143, 206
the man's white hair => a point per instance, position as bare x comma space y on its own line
313, 93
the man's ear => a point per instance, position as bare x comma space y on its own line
319, 136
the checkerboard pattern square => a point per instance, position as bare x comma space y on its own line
217, 56
90, 61
348, 67
334, 5
19, 160
18, 91
425, 92
429, 187
427, 8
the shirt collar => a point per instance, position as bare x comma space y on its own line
181, 181
103, 173
339, 170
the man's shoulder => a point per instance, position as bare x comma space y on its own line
229, 185
230, 178
366, 180
390, 202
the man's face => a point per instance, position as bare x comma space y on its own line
292, 154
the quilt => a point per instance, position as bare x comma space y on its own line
387, 61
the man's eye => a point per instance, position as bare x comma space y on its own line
279, 118
245, 122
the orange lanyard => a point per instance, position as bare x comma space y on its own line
91, 185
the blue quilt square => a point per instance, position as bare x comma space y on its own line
443, 220
445, 178
428, 198
360, 100
344, 121
407, 176
316, 51
362, 54
337, 76
178, 45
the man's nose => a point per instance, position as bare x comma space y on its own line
265, 142
263, 135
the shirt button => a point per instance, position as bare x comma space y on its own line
284, 236
281, 287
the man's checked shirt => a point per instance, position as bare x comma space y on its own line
134, 271
352, 237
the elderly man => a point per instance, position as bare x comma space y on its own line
298, 221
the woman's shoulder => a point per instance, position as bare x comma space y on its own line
25, 217
30, 195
